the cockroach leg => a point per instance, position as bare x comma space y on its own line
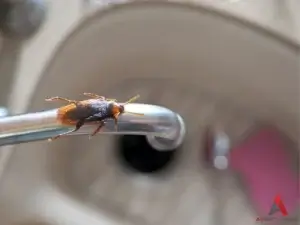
116, 124
111, 100
116, 120
78, 125
97, 130
61, 99
92, 95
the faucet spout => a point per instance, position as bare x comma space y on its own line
163, 128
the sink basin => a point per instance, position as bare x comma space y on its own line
9, 59
209, 68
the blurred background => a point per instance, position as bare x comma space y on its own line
230, 68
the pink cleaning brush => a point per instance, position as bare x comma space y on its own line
264, 163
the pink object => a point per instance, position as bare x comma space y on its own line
265, 166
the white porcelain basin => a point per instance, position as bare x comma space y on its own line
9, 59
205, 66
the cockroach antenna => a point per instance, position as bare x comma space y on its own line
132, 100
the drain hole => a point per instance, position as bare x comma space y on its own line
135, 153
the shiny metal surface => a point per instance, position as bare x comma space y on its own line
3, 112
22, 19
157, 122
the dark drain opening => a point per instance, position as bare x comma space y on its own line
135, 152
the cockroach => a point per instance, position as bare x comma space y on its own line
96, 109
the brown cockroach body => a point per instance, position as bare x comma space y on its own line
96, 110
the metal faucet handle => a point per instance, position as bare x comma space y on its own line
22, 19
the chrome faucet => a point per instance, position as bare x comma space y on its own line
164, 129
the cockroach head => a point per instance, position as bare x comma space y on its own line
121, 108
117, 108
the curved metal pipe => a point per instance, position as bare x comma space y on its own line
165, 130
